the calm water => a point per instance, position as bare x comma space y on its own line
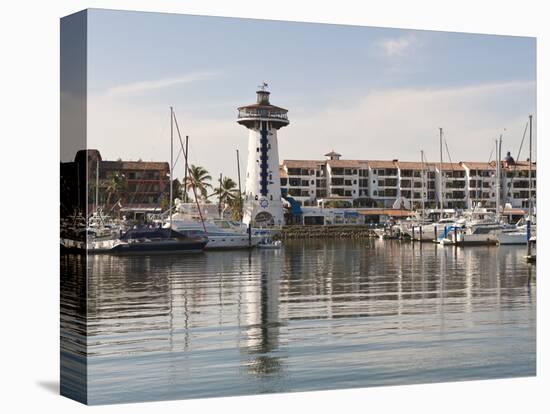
313, 315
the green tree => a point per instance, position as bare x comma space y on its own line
227, 191
236, 207
116, 186
199, 180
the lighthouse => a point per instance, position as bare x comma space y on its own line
262, 202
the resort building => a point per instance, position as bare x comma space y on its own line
129, 187
339, 183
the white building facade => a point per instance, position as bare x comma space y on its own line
385, 184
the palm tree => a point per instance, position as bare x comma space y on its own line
227, 191
116, 185
236, 207
199, 180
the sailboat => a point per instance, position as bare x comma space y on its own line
524, 231
220, 233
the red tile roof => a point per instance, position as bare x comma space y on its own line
381, 164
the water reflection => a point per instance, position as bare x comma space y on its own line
314, 315
261, 332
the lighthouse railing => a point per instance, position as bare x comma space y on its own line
262, 114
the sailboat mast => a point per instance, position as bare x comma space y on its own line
422, 177
530, 166
193, 187
441, 171
185, 199
97, 185
171, 162
240, 191
497, 181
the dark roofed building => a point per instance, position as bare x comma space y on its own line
130, 187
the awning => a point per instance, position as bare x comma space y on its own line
386, 212
514, 212
140, 210
295, 208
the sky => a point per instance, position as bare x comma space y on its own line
368, 93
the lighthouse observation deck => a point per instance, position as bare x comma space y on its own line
262, 110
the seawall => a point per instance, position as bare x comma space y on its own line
351, 231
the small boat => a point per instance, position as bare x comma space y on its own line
512, 237
270, 244
445, 241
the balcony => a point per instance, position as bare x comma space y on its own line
249, 116
263, 113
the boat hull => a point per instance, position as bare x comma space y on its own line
231, 242
476, 239
512, 238
121, 248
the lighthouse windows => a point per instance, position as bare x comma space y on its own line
263, 158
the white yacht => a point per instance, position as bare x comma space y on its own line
517, 234
431, 228
480, 227
222, 234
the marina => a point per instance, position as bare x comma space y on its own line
259, 321
445, 207
368, 218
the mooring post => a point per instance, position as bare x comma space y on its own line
412, 233
420, 229
435, 233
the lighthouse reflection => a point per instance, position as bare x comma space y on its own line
261, 334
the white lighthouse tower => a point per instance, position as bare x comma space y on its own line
262, 202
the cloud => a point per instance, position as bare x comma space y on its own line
398, 46
398, 123
149, 85
384, 124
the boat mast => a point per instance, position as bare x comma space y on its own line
185, 199
422, 178
97, 185
171, 161
530, 166
220, 198
441, 171
240, 191
189, 171
497, 183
